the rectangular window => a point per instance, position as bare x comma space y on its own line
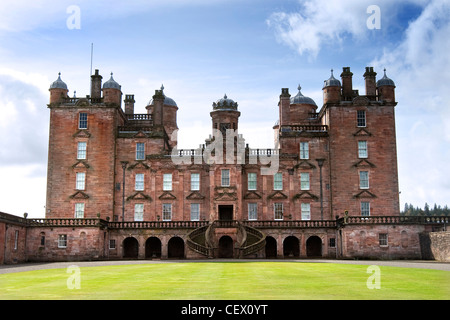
365, 209
42, 240
278, 211
304, 150
139, 212
306, 211
383, 239
82, 120
252, 211
140, 151
362, 149
112, 243
361, 118
139, 182
16, 239
252, 181
225, 178
278, 181
79, 210
167, 182
332, 243
304, 181
62, 241
364, 179
80, 183
195, 181
81, 150
195, 211
167, 212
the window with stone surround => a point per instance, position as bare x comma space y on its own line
304, 181
140, 151
167, 212
364, 179
365, 208
112, 243
195, 211
225, 178
361, 118
252, 211
362, 149
81, 150
62, 241
80, 181
167, 182
304, 150
251, 181
278, 181
306, 211
383, 239
79, 210
139, 212
82, 120
139, 182
278, 211
195, 181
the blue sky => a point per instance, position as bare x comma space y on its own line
202, 49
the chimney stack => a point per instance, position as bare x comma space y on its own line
370, 81
96, 85
347, 84
129, 104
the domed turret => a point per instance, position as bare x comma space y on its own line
58, 83
385, 81
301, 99
386, 89
112, 91
332, 81
167, 101
225, 115
111, 84
331, 90
58, 90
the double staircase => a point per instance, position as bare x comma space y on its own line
204, 240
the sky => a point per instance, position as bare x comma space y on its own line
202, 49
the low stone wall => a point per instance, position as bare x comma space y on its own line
436, 245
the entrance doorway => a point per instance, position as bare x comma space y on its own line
291, 247
314, 247
225, 247
176, 248
130, 248
153, 248
226, 212
271, 247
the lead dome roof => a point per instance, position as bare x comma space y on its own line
301, 99
167, 101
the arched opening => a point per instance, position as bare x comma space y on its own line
225, 247
153, 248
271, 247
291, 247
314, 247
175, 248
130, 248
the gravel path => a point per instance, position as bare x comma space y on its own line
424, 264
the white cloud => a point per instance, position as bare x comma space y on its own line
419, 68
319, 23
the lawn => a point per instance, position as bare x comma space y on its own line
227, 280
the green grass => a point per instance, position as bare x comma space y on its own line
228, 280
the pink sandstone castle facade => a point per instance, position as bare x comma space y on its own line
118, 187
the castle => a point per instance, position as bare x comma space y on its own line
119, 188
